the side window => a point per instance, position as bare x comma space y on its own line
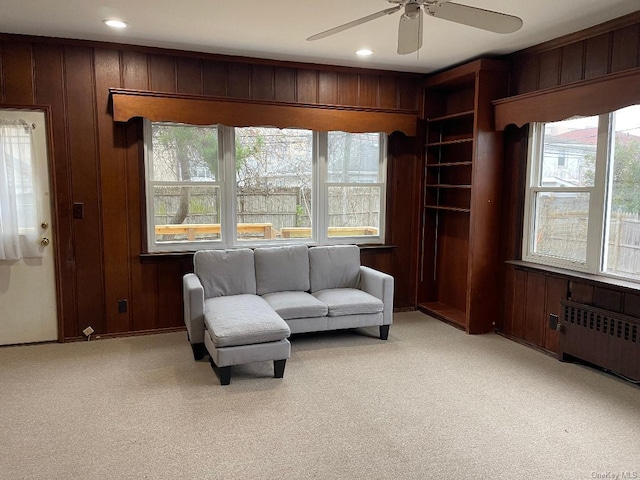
184, 186
355, 185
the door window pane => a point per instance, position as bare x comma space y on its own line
273, 183
622, 239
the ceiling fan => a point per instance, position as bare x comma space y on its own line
410, 28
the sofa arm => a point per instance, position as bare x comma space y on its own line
380, 285
193, 304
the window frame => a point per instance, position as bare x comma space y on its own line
600, 203
228, 207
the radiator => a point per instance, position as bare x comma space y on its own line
607, 339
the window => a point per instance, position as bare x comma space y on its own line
585, 214
218, 186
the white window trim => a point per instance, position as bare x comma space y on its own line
227, 184
599, 202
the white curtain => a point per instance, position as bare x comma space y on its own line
19, 234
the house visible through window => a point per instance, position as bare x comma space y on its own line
217, 186
585, 214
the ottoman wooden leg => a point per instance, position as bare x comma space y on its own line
278, 368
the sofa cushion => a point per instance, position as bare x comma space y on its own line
280, 269
296, 305
242, 320
225, 272
334, 267
349, 301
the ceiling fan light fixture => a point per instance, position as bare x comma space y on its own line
364, 52
114, 23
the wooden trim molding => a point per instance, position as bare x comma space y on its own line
588, 97
208, 110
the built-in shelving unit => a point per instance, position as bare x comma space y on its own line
461, 193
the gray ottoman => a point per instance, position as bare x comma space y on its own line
243, 329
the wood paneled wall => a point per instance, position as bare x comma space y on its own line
97, 162
530, 295
608, 48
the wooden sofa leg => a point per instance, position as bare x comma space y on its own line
223, 373
384, 332
278, 368
199, 350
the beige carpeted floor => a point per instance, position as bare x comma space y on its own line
431, 402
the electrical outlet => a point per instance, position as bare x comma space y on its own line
553, 322
88, 331
122, 306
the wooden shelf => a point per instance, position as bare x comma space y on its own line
449, 164
444, 312
452, 116
449, 209
450, 142
444, 185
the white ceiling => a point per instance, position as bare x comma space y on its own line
277, 29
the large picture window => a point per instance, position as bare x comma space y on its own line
582, 206
218, 186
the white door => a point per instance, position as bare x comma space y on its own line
28, 310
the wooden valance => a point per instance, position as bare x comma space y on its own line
205, 110
588, 97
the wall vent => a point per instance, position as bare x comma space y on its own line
607, 339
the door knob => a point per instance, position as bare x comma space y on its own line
44, 225
45, 241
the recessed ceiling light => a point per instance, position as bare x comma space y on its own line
115, 23
364, 52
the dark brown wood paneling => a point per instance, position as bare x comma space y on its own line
48, 72
169, 298
608, 299
597, 56
407, 94
347, 89
162, 73
307, 86
114, 194
581, 292
262, 82
549, 69
624, 53
135, 70
518, 317
83, 154
535, 309
214, 78
571, 68
189, 76
556, 291
285, 85
631, 304
526, 74
368, 91
239, 80
403, 214
18, 74
388, 92
327, 87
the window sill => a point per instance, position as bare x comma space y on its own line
165, 256
588, 277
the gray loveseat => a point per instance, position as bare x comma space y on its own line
241, 305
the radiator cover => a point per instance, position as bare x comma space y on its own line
607, 339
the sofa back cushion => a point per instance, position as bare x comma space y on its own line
334, 267
282, 269
225, 272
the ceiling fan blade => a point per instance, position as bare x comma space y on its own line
410, 33
354, 23
475, 17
